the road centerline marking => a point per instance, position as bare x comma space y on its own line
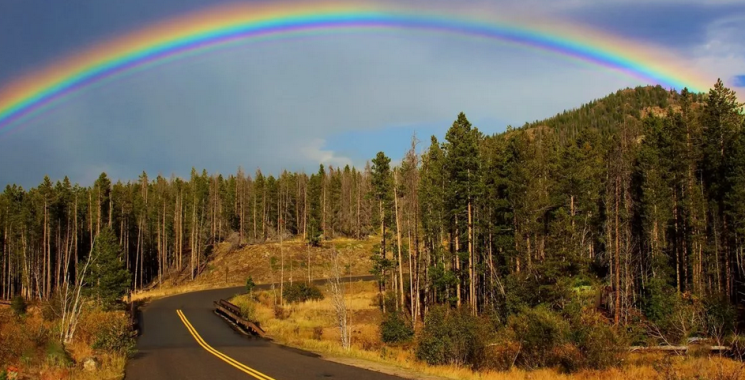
244, 368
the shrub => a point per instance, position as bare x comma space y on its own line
18, 305
452, 337
250, 284
718, 317
301, 292
395, 328
541, 334
114, 335
601, 344
57, 355
247, 306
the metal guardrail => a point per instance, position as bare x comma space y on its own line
233, 313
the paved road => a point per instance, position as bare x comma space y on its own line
168, 350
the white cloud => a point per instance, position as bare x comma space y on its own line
313, 152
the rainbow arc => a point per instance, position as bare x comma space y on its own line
200, 32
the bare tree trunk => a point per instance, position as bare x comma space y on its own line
337, 299
457, 261
471, 272
398, 239
617, 311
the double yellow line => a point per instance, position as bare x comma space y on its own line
219, 354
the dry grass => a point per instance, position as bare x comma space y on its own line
24, 342
229, 267
303, 322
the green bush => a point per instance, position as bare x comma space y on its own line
718, 317
452, 336
18, 305
601, 344
250, 285
395, 328
115, 336
301, 292
658, 300
542, 335
57, 355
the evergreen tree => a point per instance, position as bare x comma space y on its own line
108, 279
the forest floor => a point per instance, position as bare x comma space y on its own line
230, 266
311, 325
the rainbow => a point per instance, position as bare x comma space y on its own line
195, 33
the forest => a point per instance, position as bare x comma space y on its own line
635, 200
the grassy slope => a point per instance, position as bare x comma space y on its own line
256, 261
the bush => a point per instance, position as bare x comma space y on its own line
601, 344
301, 292
250, 285
718, 317
115, 335
542, 335
57, 355
19, 306
247, 306
452, 337
395, 328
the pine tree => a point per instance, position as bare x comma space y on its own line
108, 279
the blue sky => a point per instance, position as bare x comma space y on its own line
334, 99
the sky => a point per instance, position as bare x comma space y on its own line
333, 99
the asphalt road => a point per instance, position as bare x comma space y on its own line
168, 350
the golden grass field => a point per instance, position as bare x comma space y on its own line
230, 267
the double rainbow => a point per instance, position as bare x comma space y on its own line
198, 32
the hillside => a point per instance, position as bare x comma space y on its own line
622, 106
231, 265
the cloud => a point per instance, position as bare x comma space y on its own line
671, 24
294, 103
314, 152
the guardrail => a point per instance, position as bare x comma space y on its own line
233, 313
677, 349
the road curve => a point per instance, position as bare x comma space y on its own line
166, 349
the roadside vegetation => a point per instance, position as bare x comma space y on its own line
534, 344
82, 332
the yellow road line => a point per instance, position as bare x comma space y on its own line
219, 354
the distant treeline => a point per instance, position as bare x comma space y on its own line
640, 195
